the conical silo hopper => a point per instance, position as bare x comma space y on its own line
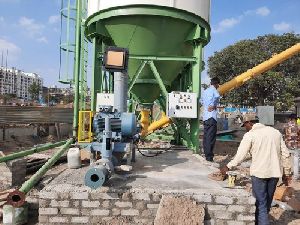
170, 34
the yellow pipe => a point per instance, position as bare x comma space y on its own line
164, 120
144, 121
259, 69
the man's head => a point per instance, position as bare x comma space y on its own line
215, 82
248, 121
293, 117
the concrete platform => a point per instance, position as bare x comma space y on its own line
137, 195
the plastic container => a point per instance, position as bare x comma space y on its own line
74, 160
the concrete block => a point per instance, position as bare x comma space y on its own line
235, 223
251, 200
58, 219
123, 204
69, 211
156, 198
48, 195
216, 207
43, 219
106, 204
48, 211
223, 200
246, 217
236, 208
126, 196
223, 215
100, 195
99, 212
143, 221
90, 204
209, 222
43, 203
80, 195
147, 213
80, 220
252, 209
203, 198
63, 204
140, 205
152, 206
116, 212
85, 212
141, 196
130, 212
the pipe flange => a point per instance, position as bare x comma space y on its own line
16, 198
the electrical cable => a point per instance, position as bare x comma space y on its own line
153, 155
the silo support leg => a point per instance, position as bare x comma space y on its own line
196, 88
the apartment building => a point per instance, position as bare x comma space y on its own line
14, 81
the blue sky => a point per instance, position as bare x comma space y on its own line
30, 29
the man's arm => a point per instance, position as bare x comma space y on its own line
242, 151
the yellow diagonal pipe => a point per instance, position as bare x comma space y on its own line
259, 69
148, 129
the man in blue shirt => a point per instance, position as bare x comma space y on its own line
210, 99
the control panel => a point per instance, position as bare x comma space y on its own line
182, 105
104, 99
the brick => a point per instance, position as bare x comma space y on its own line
236, 208
223, 215
246, 217
216, 207
43, 203
123, 204
80, 195
43, 219
81, 220
58, 219
147, 213
62, 204
106, 204
143, 221
98, 196
251, 200
141, 196
69, 211
156, 198
48, 195
64, 195
85, 212
203, 198
100, 212
224, 200
140, 205
252, 209
152, 206
129, 212
116, 212
48, 211
235, 223
126, 196
75, 204
90, 204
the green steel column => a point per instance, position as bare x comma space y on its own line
96, 86
77, 65
29, 184
30, 151
159, 80
196, 88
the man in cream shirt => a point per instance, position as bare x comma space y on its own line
270, 161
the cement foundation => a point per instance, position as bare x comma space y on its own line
134, 198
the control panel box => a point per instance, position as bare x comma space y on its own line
104, 99
182, 105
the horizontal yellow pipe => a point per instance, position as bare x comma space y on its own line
259, 69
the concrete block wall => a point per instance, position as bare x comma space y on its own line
92, 207
13, 173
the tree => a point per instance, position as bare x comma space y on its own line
278, 86
34, 91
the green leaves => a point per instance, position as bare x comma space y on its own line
278, 86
